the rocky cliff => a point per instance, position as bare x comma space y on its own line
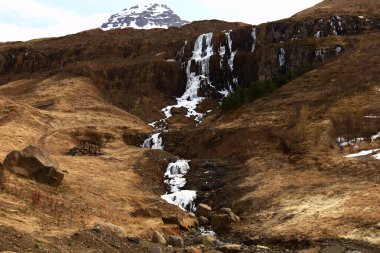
144, 64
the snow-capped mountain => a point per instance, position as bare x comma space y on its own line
146, 16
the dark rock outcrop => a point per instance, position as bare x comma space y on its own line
33, 162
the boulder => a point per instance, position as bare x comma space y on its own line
176, 221
231, 248
203, 221
2, 177
33, 162
220, 222
176, 241
204, 210
157, 237
205, 239
155, 250
229, 212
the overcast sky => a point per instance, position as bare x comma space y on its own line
30, 19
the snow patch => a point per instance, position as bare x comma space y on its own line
362, 153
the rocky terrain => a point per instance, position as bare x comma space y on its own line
115, 141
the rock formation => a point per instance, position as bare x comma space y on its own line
33, 162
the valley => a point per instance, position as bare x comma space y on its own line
135, 120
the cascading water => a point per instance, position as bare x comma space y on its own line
281, 58
154, 142
254, 37
222, 52
203, 50
175, 179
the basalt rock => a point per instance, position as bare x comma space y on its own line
86, 148
220, 223
175, 220
204, 210
176, 241
157, 237
35, 163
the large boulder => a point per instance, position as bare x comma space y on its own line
157, 237
204, 210
176, 221
33, 162
220, 223
2, 177
176, 241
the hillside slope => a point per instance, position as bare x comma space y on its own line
279, 161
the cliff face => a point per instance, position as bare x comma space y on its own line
132, 66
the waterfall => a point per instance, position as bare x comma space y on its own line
203, 50
154, 142
253, 34
175, 179
281, 58
222, 52
232, 57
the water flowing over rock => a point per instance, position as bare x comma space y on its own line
154, 142
175, 174
254, 37
203, 50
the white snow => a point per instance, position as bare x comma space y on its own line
362, 153
377, 156
138, 9
175, 174
372, 117
318, 34
151, 11
338, 50
154, 142
190, 98
281, 57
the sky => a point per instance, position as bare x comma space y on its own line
31, 19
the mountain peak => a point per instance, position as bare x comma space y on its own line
144, 16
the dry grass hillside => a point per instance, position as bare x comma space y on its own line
57, 114
274, 161
367, 8
295, 183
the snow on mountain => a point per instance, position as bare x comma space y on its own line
145, 16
